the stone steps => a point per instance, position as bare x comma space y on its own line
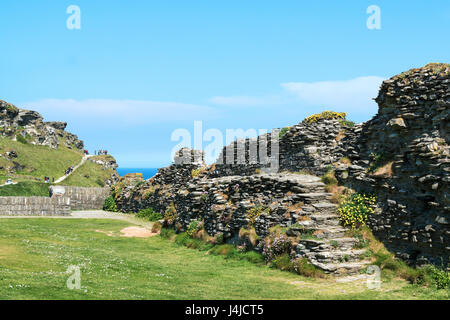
325, 219
313, 198
337, 256
323, 240
339, 269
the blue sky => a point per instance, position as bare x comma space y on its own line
138, 70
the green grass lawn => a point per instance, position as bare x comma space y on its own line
89, 174
35, 253
25, 189
39, 161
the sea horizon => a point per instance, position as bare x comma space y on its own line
147, 173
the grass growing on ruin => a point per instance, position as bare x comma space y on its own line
392, 267
35, 254
89, 174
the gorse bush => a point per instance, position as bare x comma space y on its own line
110, 204
255, 212
149, 214
197, 172
355, 210
328, 115
194, 227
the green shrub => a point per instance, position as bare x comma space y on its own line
167, 233
283, 262
355, 210
284, 131
304, 268
182, 238
149, 214
219, 238
193, 227
329, 178
440, 277
227, 250
334, 243
346, 123
110, 204
253, 257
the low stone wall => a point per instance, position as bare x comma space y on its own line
34, 206
82, 198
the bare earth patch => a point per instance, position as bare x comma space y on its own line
137, 232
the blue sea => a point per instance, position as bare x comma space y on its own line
147, 173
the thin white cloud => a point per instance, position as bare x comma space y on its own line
134, 112
353, 95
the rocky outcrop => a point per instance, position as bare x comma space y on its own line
29, 125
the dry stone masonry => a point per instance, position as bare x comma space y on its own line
34, 206
401, 156
60, 202
81, 198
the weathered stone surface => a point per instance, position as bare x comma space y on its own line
81, 198
35, 206
401, 155
15, 121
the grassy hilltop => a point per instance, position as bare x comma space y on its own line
31, 149
34, 162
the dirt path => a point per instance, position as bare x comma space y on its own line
92, 214
74, 169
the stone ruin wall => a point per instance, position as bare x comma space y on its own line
410, 134
34, 206
60, 202
409, 137
81, 198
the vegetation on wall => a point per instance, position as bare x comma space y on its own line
327, 115
110, 204
283, 131
355, 210
149, 214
